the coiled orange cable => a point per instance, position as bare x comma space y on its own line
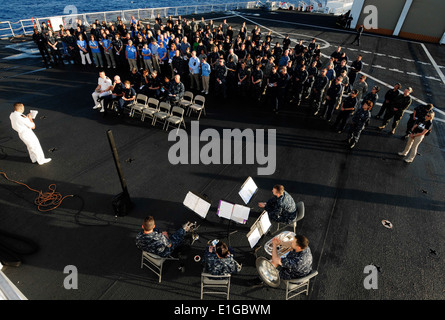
51, 199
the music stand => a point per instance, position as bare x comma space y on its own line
248, 190
197, 203
235, 212
258, 229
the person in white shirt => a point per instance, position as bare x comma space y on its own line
194, 71
103, 89
24, 126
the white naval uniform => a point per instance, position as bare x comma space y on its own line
104, 85
23, 126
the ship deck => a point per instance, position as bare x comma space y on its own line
347, 193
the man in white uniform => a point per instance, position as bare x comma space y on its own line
104, 86
24, 126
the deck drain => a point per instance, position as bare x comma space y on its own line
52, 149
129, 160
387, 224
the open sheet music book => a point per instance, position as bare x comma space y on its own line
197, 204
258, 229
247, 190
235, 212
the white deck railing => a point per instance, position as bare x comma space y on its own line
26, 26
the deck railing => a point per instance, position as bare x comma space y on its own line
26, 26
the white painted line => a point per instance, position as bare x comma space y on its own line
381, 54
352, 49
365, 51
442, 77
424, 63
409, 60
414, 74
378, 67
396, 70
432, 78
394, 57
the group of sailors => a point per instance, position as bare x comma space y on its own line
250, 65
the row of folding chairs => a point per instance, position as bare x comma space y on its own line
163, 112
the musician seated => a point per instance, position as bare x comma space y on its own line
281, 207
151, 240
219, 260
297, 263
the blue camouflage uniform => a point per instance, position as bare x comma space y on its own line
155, 242
282, 209
219, 266
296, 264
358, 123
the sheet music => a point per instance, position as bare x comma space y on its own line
196, 204
225, 209
190, 200
254, 237
202, 207
240, 213
265, 222
248, 189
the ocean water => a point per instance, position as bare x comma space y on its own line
15, 10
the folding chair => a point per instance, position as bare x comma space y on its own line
176, 118
198, 105
298, 217
163, 113
300, 285
152, 108
154, 262
210, 281
186, 100
139, 105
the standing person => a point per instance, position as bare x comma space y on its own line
95, 51
358, 123
131, 55
272, 88
194, 71
332, 96
118, 47
320, 84
205, 75
418, 114
390, 95
221, 79
52, 43
356, 67
83, 49
418, 133
146, 54
362, 87
300, 78
358, 35
108, 52
347, 107
40, 41
257, 79
24, 126
397, 109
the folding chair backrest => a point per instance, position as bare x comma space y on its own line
200, 100
188, 95
178, 110
153, 103
141, 98
164, 107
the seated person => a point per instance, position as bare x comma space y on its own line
117, 92
129, 95
281, 207
297, 263
103, 89
154, 86
218, 260
151, 240
176, 90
